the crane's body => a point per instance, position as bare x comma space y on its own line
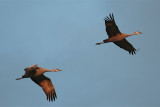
116, 36
36, 74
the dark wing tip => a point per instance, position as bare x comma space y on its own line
107, 18
132, 52
110, 17
51, 96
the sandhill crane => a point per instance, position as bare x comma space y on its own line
36, 74
116, 36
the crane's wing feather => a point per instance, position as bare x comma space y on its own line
111, 27
30, 70
124, 44
47, 86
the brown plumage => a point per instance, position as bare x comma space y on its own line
36, 74
116, 36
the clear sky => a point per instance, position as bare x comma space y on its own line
62, 34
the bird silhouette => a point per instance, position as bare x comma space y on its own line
116, 36
36, 74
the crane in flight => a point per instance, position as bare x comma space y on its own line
36, 74
116, 36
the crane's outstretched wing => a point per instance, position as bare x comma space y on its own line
47, 86
111, 27
124, 44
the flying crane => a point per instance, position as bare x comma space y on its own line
36, 74
116, 36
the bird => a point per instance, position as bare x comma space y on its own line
116, 36
36, 74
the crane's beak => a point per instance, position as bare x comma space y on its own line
140, 32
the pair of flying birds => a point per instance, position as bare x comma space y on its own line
36, 73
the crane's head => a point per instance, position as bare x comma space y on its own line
56, 70
138, 32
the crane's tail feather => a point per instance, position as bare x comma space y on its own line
19, 78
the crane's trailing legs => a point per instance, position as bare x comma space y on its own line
105, 41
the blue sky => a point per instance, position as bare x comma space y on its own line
62, 34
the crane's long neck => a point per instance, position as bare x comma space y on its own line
127, 35
50, 70
40, 71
